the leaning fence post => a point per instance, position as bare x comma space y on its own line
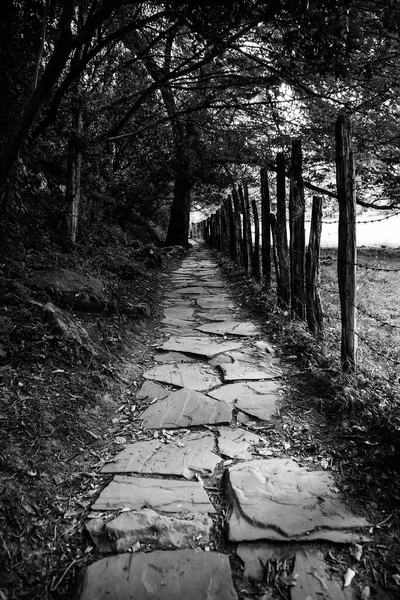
238, 228
313, 299
232, 229
256, 247
347, 249
281, 233
297, 233
265, 229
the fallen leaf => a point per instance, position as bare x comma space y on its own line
356, 551
396, 578
348, 577
120, 440
366, 593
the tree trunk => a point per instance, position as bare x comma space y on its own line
347, 250
178, 228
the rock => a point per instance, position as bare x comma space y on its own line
148, 527
70, 289
200, 346
173, 357
255, 556
159, 575
257, 398
183, 457
276, 499
192, 376
186, 408
179, 312
63, 325
236, 443
166, 495
153, 391
192, 291
215, 301
313, 579
242, 371
230, 328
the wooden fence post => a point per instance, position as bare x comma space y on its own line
247, 227
238, 228
281, 233
232, 229
297, 233
313, 299
347, 250
265, 229
272, 222
245, 231
256, 247
225, 233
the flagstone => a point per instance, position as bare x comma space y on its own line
214, 316
186, 456
161, 575
176, 322
194, 376
258, 398
173, 357
233, 392
256, 554
276, 499
192, 291
186, 408
244, 329
242, 371
236, 443
215, 301
179, 312
313, 579
146, 526
165, 495
152, 390
202, 346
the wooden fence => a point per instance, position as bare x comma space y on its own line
297, 268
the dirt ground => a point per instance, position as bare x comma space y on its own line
63, 413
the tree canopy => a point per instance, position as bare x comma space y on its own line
153, 102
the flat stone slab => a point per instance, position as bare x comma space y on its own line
241, 371
175, 322
258, 398
118, 534
153, 391
192, 291
255, 556
201, 346
179, 312
276, 499
245, 329
214, 316
173, 357
232, 392
313, 579
189, 454
186, 408
166, 495
159, 575
192, 376
236, 443
215, 301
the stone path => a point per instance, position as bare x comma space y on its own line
213, 377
